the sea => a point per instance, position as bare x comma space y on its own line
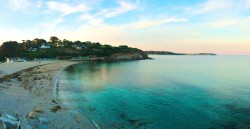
167, 92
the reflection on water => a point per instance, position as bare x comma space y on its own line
167, 92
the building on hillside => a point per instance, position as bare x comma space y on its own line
59, 44
45, 46
80, 47
32, 49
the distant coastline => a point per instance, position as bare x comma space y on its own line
174, 53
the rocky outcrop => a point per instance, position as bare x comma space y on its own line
138, 55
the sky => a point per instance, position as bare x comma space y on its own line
188, 26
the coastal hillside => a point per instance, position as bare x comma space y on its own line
65, 49
174, 53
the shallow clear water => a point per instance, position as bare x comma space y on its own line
169, 92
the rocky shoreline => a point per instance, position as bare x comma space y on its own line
28, 97
27, 100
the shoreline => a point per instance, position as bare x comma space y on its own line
30, 95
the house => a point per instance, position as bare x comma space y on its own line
59, 44
79, 47
45, 46
31, 49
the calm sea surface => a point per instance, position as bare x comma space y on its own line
169, 92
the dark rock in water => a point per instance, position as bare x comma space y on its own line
10, 125
229, 125
117, 125
138, 123
56, 108
54, 101
123, 115
91, 109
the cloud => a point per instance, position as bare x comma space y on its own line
39, 4
209, 6
19, 4
239, 22
151, 23
247, 3
124, 7
65, 8
104, 14
225, 23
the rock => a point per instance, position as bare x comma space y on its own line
2, 125
12, 125
38, 109
54, 101
27, 127
9, 117
78, 118
9, 122
43, 120
24, 123
41, 126
56, 108
32, 115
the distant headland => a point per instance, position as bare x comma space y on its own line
173, 53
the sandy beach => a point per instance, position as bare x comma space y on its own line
10, 68
26, 92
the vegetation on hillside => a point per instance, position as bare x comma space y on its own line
63, 49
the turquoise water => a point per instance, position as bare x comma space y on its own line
169, 92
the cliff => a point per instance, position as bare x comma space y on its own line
138, 55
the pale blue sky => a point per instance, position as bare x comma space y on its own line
219, 26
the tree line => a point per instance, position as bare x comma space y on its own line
15, 49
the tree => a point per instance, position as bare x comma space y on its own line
37, 42
10, 49
53, 39
67, 43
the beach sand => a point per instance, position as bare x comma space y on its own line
12, 67
28, 94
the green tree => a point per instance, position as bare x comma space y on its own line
67, 43
10, 49
37, 42
53, 39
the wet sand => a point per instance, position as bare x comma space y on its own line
28, 95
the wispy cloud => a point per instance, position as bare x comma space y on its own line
19, 4
66, 8
124, 7
247, 3
209, 6
103, 14
222, 23
151, 23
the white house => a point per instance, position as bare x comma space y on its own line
45, 46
